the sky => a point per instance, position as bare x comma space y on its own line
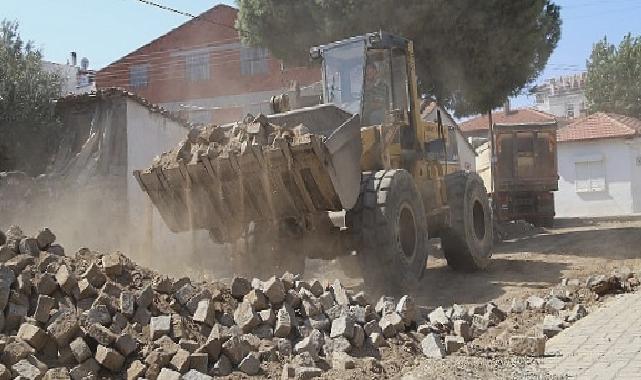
104, 30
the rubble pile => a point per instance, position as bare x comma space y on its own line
91, 315
564, 305
88, 315
213, 141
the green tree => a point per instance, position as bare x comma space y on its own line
471, 55
27, 122
613, 83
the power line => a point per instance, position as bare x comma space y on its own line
183, 13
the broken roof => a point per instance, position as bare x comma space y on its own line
600, 126
104, 93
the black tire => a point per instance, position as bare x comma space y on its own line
262, 252
390, 230
468, 241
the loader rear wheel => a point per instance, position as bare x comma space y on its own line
467, 242
261, 252
390, 229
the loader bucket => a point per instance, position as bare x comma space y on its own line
315, 173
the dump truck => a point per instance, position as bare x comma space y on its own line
525, 173
353, 178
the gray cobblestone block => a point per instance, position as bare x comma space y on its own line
274, 290
185, 294
109, 358
342, 326
433, 347
340, 294
180, 361
127, 304
80, 350
112, 264
250, 365
168, 374
391, 324
126, 344
46, 284
406, 308
239, 287
283, 323
439, 316
245, 317
43, 308
94, 275
196, 375
100, 333
136, 370
25, 370
453, 343
199, 361
223, 366
159, 326
34, 335
257, 299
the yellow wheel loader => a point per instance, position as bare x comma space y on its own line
357, 175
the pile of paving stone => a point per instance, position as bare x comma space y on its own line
213, 141
565, 304
88, 315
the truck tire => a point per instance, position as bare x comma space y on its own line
261, 252
467, 242
390, 230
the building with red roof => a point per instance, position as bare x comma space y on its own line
202, 70
599, 166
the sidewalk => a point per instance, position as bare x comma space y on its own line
604, 345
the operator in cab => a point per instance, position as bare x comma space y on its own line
376, 95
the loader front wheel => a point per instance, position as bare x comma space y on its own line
468, 240
390, 228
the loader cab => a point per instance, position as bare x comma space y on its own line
368, 75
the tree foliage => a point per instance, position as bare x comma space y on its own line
471, 55
26, 108
613, 79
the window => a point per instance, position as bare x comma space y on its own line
590, 176
525, 154
139, 76
570, 111
540, 98
254, 60
197, 67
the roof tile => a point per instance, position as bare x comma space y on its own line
516, 116
600, 126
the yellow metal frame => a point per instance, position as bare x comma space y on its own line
382, 146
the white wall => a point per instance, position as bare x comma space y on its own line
621, 177
483, 167
148, 135
557, 104
467, 158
